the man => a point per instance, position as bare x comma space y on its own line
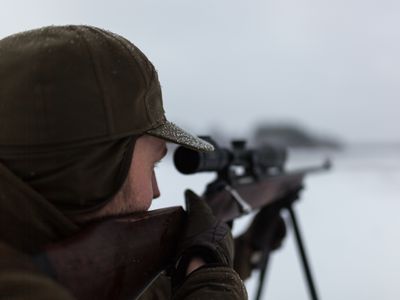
81, 127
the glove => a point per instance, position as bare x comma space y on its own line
204, 237
264, 235
267, 230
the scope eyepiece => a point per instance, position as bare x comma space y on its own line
188, 161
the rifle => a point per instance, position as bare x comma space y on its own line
117, 258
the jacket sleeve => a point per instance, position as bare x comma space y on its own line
208, 283
159, 289
20, 280
205, 283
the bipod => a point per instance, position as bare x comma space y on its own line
287, 203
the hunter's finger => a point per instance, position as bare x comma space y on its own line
196, 205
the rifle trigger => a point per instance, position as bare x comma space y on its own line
243, 205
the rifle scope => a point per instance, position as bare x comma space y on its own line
258, 160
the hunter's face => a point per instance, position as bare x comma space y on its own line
141, 187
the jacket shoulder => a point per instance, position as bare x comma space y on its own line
20, 279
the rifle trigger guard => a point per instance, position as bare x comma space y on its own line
243, 205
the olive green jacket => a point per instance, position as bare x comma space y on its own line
28, 222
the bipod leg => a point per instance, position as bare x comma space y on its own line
263, 271
306, 266
267, 235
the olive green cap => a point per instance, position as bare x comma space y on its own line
63, 85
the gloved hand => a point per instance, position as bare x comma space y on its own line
264, 235
267, 230
204, 237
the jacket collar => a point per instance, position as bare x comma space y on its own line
27, 220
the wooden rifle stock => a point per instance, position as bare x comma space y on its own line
116, 258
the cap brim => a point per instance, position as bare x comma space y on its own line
170, 132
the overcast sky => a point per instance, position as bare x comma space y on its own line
332, 65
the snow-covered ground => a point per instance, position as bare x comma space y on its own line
350, 221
